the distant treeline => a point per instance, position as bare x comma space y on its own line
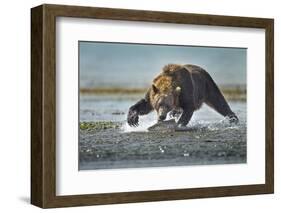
231, 92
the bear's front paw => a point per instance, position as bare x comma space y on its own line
133, 118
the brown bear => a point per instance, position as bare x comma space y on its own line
180, 89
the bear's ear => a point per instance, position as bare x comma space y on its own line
155, 89
178, 90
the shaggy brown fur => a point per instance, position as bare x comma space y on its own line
180, 88
164, 83
169, 68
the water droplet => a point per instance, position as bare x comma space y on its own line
186, 154
222, 154
161, 149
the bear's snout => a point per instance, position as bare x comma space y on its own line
162, 114
162, 117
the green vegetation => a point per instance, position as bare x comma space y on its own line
99, 125
234, 93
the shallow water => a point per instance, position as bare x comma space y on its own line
209, 140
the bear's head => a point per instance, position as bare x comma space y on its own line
164, 96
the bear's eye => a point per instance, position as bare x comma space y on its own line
162, 105
159, 103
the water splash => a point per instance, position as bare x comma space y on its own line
198, 123
213, 125
144, 123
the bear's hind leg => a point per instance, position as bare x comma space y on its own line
224, 110
216, 100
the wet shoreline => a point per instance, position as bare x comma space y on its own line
105, 145
107, 142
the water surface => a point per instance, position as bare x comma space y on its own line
210, 139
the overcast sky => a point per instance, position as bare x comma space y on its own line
135, 65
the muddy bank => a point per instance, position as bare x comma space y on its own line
104, 145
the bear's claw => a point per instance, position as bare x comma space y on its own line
133, 118
233, 119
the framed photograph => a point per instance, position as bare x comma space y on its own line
136, 106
